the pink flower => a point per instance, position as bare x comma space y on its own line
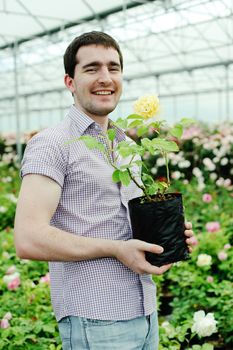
207, 198
209, 279
194, 241
227, 246
222, 255
45, 279
212, 226
4, 323
14, 284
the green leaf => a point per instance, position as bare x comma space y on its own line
176, 131
121, 123
147, 179
116, 176
126, 149
164, 145
187, 121
162, 185
135, 116
196, 347
146, 142
125, 152
124, 177
111, 134
49, 328
152, 189
142, 130
92, 143
207, 346
134, 124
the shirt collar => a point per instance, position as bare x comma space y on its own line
83, 122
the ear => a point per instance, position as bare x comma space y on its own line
69, 82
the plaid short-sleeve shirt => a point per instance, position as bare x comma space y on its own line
91, 205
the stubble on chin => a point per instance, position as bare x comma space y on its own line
100, 111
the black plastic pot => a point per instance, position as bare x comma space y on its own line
162, 223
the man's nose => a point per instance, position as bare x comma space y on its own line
104, 76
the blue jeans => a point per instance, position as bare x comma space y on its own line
79, 333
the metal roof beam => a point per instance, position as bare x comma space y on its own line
35, 18
133, 77
123, 100
54, 30
178, 70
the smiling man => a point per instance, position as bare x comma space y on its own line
73, 215
96, 83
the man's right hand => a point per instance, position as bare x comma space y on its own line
132, 254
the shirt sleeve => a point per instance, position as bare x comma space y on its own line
45, 154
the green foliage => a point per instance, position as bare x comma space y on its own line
33, 325
186, 285
130, 151
191, 287
9, 187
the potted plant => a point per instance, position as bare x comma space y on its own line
156, 216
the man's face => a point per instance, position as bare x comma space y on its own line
97, 82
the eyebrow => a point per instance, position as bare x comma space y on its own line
99, 64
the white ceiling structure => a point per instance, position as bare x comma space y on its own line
180, 49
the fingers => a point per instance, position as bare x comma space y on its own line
190, 249
155, 270
152, 248
189, 233
188, 225
192, 240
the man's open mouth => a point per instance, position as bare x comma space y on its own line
104, 92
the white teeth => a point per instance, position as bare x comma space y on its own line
103, 93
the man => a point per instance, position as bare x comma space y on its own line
72, 214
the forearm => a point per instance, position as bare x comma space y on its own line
49, 243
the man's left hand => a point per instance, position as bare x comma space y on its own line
191, 240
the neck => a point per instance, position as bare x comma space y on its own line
101, 120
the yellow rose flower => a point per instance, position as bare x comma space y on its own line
147, 106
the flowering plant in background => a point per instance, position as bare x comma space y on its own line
188, 288
210, 279
132, 166
213, 226
222, 255
207, 198
4, 322
45, 278
204, 260
204, 325
12, 280
206, 154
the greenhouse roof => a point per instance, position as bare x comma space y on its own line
177, 48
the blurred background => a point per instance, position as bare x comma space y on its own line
180, 49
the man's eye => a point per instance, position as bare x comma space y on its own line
115, 69
91, 70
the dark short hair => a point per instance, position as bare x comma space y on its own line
89, 38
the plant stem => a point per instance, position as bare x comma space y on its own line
139, 186
167, 168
